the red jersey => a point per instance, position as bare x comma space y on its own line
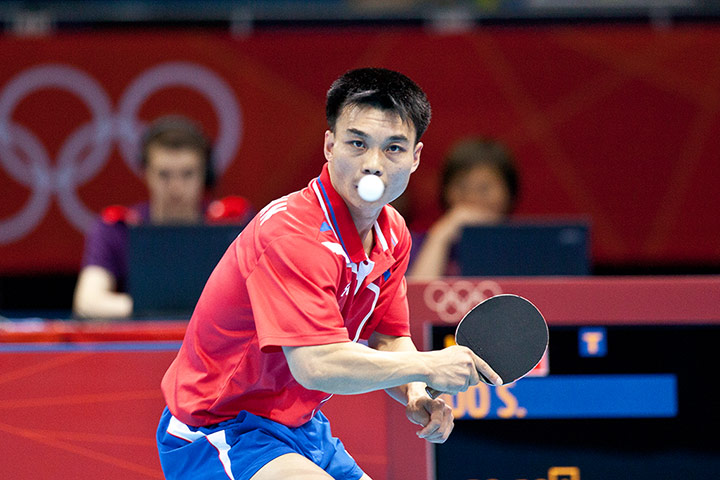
297, 275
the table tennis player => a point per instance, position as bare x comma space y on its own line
176, 160
310, 301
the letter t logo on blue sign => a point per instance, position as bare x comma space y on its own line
592, 342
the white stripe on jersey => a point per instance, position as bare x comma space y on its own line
393, 237
375, 289
279, 205
380, 237
273, 203
276, 209
363, 270
336, 248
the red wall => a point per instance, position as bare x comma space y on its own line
81, 414
85, 412
88, 405
616, 123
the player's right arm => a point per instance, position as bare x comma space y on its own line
95, 295
351, 368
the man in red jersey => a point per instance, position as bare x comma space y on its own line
310, 301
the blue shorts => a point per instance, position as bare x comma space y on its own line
238, 448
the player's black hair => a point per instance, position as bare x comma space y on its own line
379, 88
176, 132
474, 152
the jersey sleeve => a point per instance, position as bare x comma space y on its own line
293, 293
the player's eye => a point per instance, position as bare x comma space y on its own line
395, 149
357, 143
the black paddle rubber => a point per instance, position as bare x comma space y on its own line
506, 331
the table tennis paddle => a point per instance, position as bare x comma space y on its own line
508, 332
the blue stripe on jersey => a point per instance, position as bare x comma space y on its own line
332, 216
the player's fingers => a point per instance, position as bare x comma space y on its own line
440, 425
428, 430
486, 371
432, 425
418, 416
471, 375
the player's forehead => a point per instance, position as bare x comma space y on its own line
378, 122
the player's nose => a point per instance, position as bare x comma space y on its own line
372, 164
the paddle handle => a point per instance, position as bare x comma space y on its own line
432, 392
436, 393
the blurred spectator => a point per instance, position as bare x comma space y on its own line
176, 159
479, 186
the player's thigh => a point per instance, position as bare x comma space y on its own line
291, 465
295, 466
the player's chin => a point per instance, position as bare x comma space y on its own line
358, 202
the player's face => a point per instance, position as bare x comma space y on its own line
176, 181
370, 141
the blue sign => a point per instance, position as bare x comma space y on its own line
572, 396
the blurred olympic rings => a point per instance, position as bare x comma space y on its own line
86, 151
452, 300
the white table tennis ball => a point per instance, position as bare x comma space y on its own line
370, 188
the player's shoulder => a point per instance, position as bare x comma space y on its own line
290, 215
296, 225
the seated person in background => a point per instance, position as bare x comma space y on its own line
479, 186
177, 169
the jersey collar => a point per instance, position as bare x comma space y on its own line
339, 217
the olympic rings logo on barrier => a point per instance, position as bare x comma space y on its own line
87, 150
452, 300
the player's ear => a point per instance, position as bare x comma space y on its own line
328, 145
416, 156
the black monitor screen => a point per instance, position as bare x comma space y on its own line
169, 265
524, 249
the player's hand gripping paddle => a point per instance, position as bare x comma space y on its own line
508, 332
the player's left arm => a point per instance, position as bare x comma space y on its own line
434, 415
